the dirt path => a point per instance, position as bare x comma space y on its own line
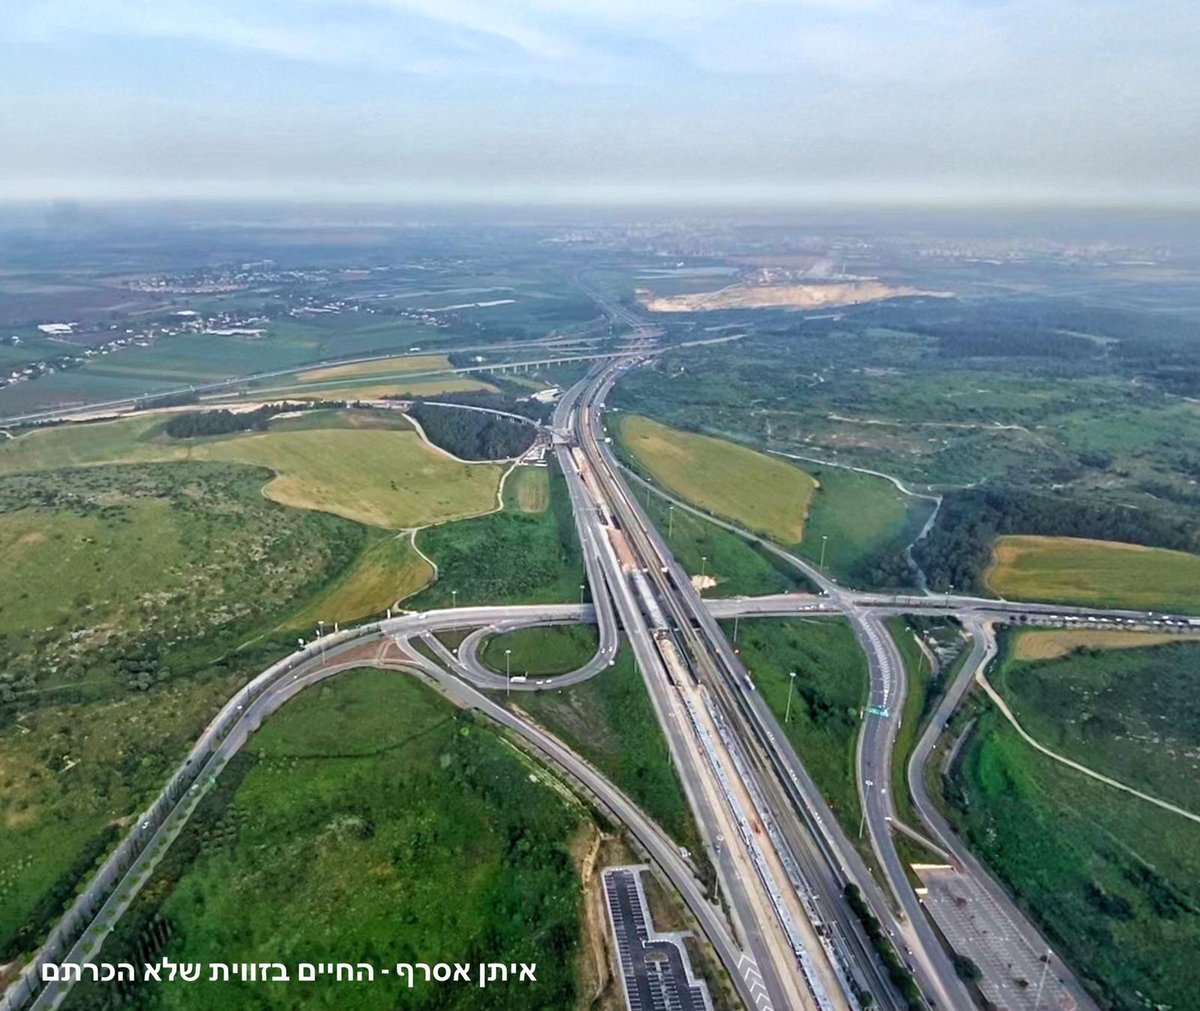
998, 699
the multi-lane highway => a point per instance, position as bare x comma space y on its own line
780, 855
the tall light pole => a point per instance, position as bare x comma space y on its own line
703, 563
735, 626
582, 587
787, 716
670, 520
508, 671
824, 538
454, 598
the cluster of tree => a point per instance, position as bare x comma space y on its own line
198, 423
222, 422
959, 546
473, 435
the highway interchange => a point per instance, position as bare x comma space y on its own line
784, 932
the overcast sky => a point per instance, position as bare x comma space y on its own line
861, 101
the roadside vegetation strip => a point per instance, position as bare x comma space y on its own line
1083, 571
1049, 644
998, 699
756, 491
827, 696
736, 561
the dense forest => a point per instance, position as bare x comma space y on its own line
473, 435
959, 546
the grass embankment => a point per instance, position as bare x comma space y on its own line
866, 522
388, 571
351, 818
1113, 881
1104, 573
737, 565
539, 652
830, 689
758, 492
611, 722
378, 477
508, 556
1130, 713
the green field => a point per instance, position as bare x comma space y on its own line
107, 668
738, 566
758, 492
378, 476
506, 557
865, 522
610, 721
340, 834
830, 690
1105, 573
1129, 713
541, 651
1113, 881
530, 488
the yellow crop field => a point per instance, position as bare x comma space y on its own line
1047, 644
379, 367
1105, 573
381, 478
398, 388
756, 491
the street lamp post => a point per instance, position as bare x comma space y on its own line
454, 598
508, 671
824, 538
703, 563
670, 521
735, 626
787, 716
582, 587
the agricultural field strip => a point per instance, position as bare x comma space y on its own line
225, 384
1000, 704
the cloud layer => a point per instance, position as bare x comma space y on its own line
1069, 101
